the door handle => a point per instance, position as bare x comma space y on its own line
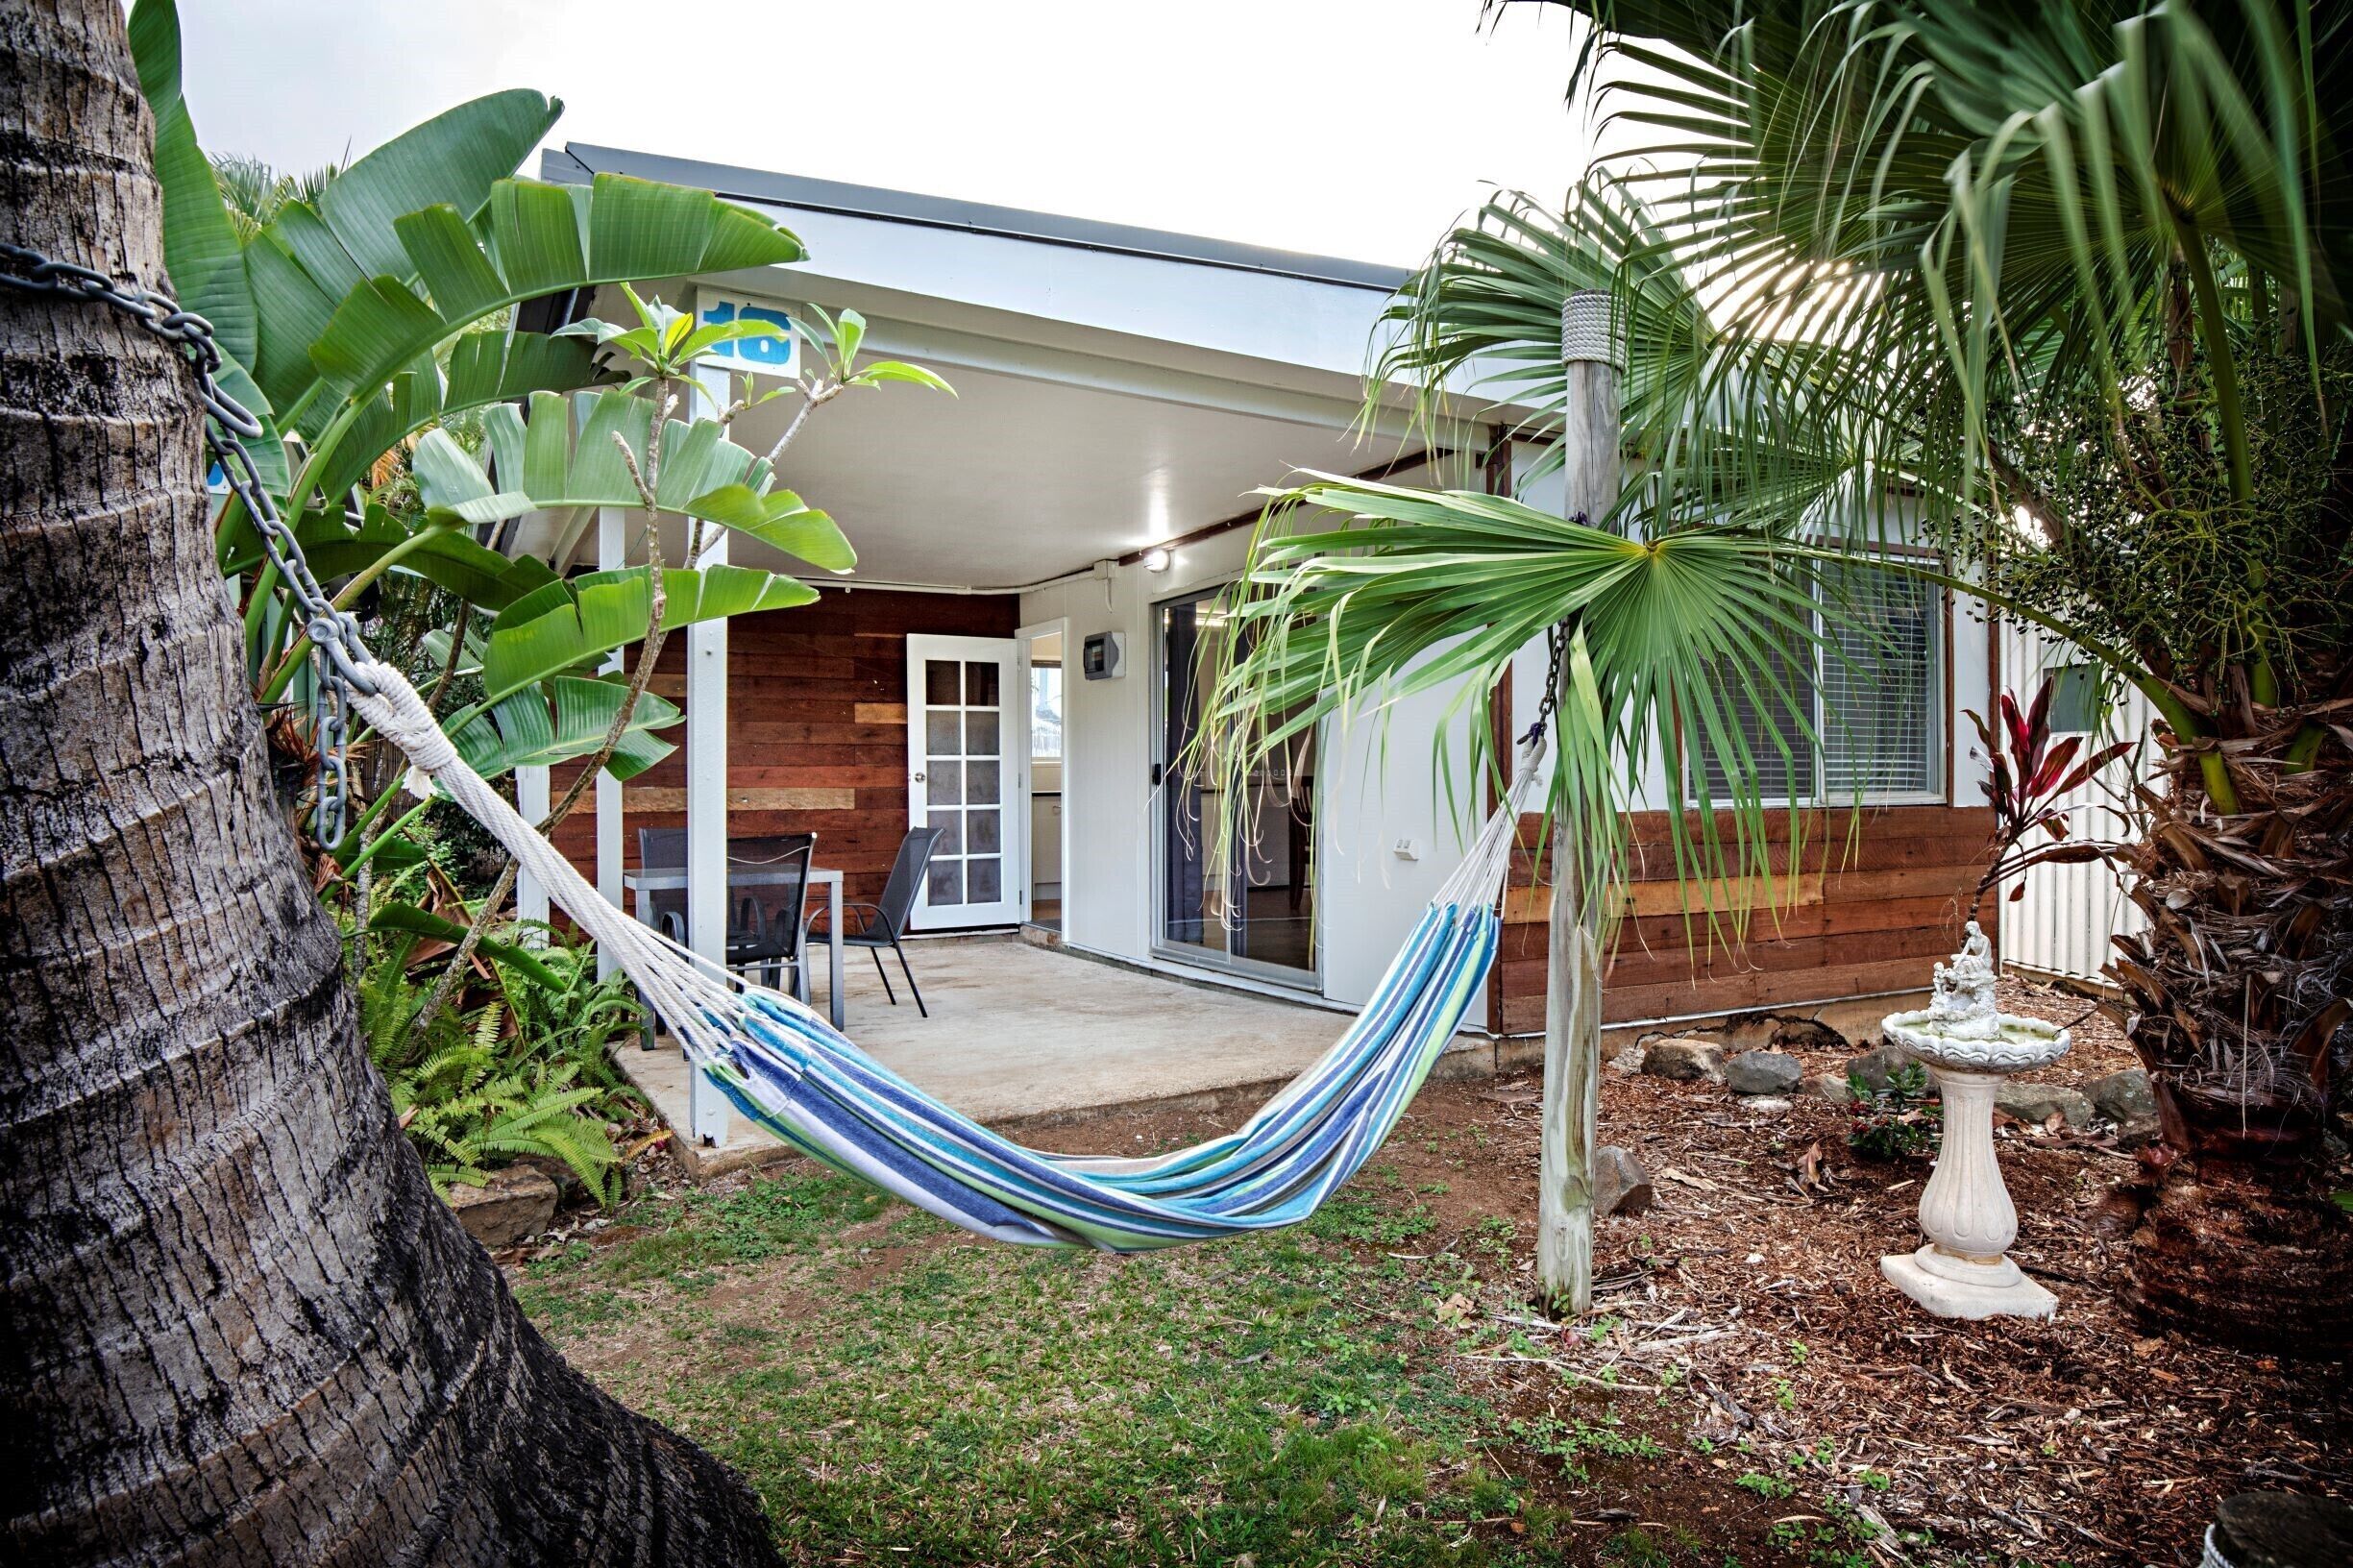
1156, 768
919, 779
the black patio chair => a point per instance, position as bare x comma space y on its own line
881, 925
764, 921
764, 930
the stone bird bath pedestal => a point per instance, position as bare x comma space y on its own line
1970, 1046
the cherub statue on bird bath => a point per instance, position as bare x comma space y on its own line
1969, 1046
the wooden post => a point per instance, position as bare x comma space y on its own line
1590, 436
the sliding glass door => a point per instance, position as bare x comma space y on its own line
1253, 910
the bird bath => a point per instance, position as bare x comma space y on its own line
1969, 1046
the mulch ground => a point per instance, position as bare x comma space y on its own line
1749, 1300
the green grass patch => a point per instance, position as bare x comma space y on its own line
907, 1393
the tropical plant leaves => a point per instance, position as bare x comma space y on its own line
568, 453
565, 718
357, 330
565, 625
412, 920
1424, 591
483, 368
443, 553
200, 250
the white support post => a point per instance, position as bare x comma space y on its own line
1591, 437
706, 800
531, 894
612, 554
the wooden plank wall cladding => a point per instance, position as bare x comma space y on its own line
1858, 917
817, 728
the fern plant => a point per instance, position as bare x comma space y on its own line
527, 1070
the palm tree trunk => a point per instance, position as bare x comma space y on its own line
2235, 1001
236, 1325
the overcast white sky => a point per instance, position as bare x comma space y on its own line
1355, 128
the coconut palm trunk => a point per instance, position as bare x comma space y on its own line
236, 1325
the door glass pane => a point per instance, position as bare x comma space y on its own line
983, 882
981, 783
946, 881
1257, 902
985, 827
944, 784
1045, 712
980, 683
941, 734
980, 734
950, 825
939, 683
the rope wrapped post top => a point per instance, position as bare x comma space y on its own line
1589, 329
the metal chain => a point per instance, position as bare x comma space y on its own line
1556, 665
338, 654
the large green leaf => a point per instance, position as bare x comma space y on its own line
200, 247
357, 330
410, 920
563, 625
565, 718
483, 368
562, 454
452, 161
444, 555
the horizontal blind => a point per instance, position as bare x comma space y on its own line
1880, 685
1781, 753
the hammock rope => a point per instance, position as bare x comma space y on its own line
778, 1061
788, 1071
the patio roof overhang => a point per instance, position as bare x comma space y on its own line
1117, 388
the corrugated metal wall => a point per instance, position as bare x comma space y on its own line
2063, 925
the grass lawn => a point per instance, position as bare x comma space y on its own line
896, 1390
899, 1391
1376, 1387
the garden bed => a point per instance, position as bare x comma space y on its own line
1378, 1387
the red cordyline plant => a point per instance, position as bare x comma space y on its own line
2029, 779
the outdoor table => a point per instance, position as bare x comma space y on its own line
739, 875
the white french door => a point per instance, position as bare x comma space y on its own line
968, 776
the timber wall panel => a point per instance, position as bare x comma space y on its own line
1862, 912
817, 729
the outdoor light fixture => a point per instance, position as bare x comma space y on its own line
1157, 559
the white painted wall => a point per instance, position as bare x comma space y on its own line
2066, 921
1367, 897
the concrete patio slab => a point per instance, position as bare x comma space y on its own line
1027, 1035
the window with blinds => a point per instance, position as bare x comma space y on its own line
1873, 697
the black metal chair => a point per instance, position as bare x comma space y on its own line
764, 923
881, 925
764, 932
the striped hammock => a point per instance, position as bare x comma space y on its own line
784, 1066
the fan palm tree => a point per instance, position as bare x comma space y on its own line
2058, 289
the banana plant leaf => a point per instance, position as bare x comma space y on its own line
448, 557
410, 920
565, 625
201, 249
452, 160
563, 455
565, 718
332, 331
483, 368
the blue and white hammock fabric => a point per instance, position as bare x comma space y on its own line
783, 1065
